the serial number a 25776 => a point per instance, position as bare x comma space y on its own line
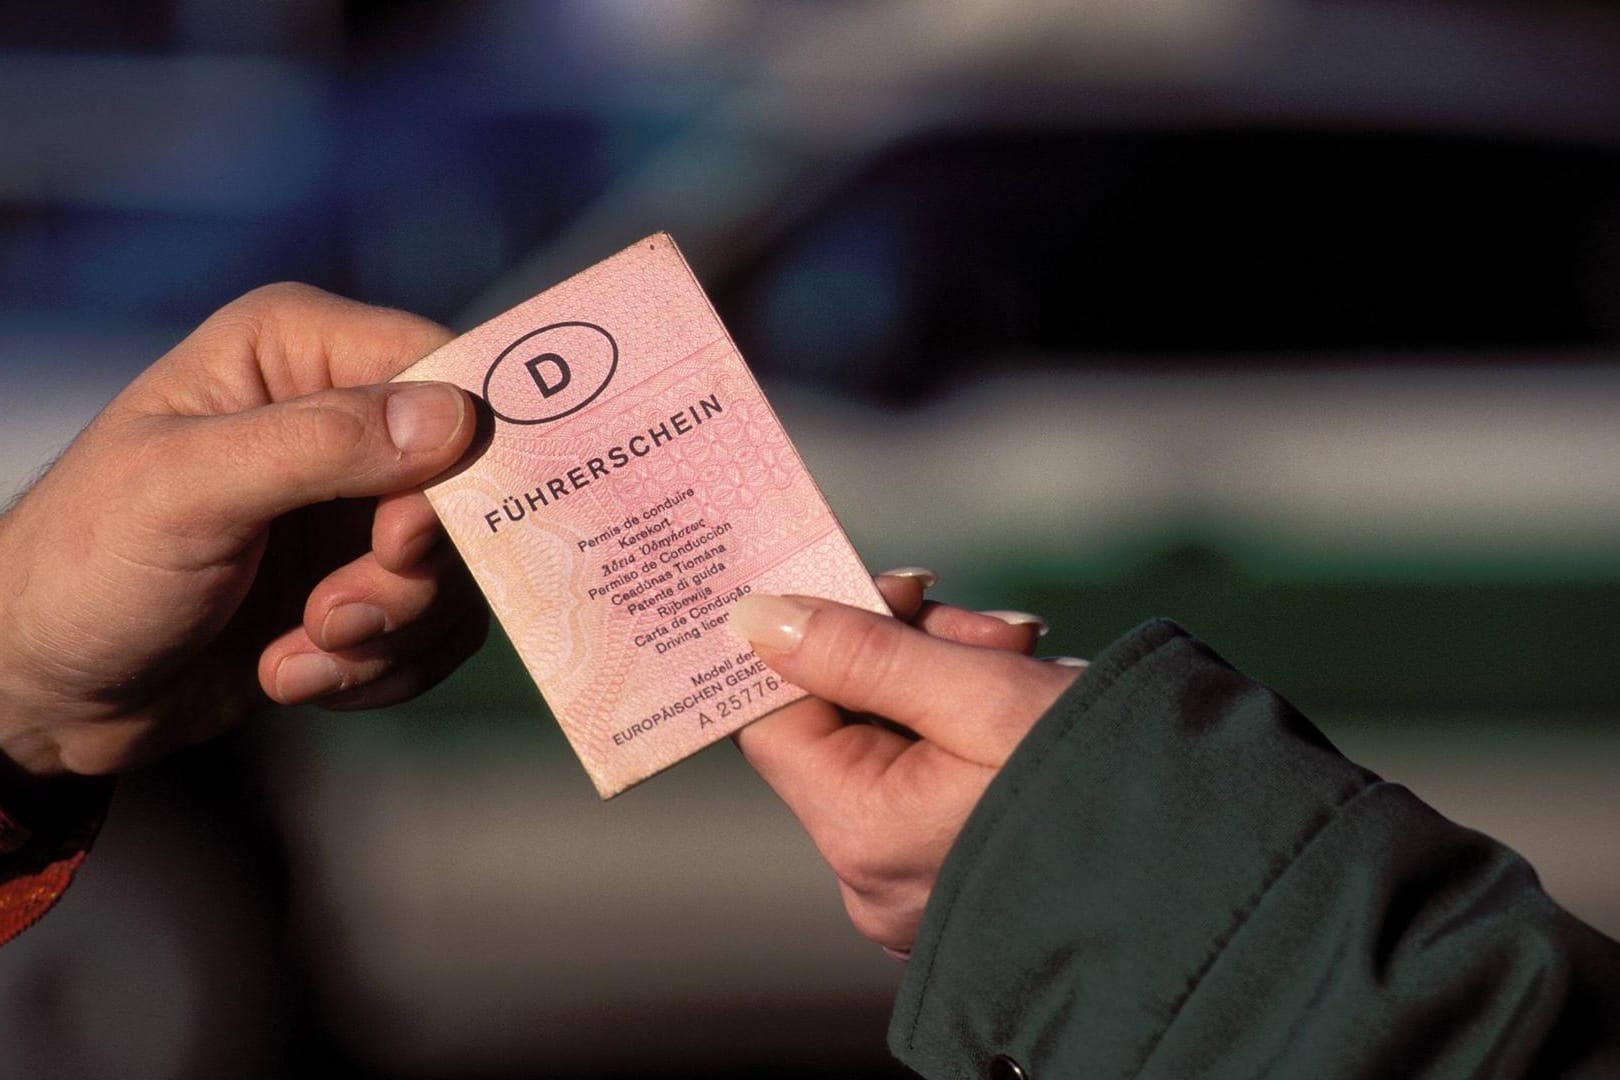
743, 696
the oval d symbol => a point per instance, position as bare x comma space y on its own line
551, 372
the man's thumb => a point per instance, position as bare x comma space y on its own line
358, 441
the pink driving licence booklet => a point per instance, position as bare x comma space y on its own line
636, 485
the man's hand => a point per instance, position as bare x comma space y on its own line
241, 524
884, 801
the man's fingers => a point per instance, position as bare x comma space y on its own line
405, 530
240, 470
294, 670
974, 702
362, 600
290, 340
421, 671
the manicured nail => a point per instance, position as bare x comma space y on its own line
925, 576
423, 417
776, 622
1020, 618
1068, 661
305, 676
350, 624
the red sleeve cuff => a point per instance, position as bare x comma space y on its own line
37, 865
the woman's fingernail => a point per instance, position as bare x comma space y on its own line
350, 624
1020, 618
1068, 661
423, 417
925, 576
776, 622
305, 676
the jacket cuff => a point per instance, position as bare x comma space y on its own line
1117, 821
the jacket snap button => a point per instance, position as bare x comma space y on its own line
1005, 1068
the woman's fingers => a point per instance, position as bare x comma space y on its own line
809, 754
805, 723
903, 589
975, 702
1006, 630
884, 808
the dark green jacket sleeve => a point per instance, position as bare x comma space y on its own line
1177, 876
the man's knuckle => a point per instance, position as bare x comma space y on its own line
278, 295
327, 431
262, 318
88, 755
249, 314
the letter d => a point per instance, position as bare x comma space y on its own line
535, 373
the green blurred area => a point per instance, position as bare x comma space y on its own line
1412, 636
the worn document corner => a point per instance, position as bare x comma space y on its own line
636, 485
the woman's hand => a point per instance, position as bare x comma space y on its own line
953, 693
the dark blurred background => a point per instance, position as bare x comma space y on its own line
1299, 322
